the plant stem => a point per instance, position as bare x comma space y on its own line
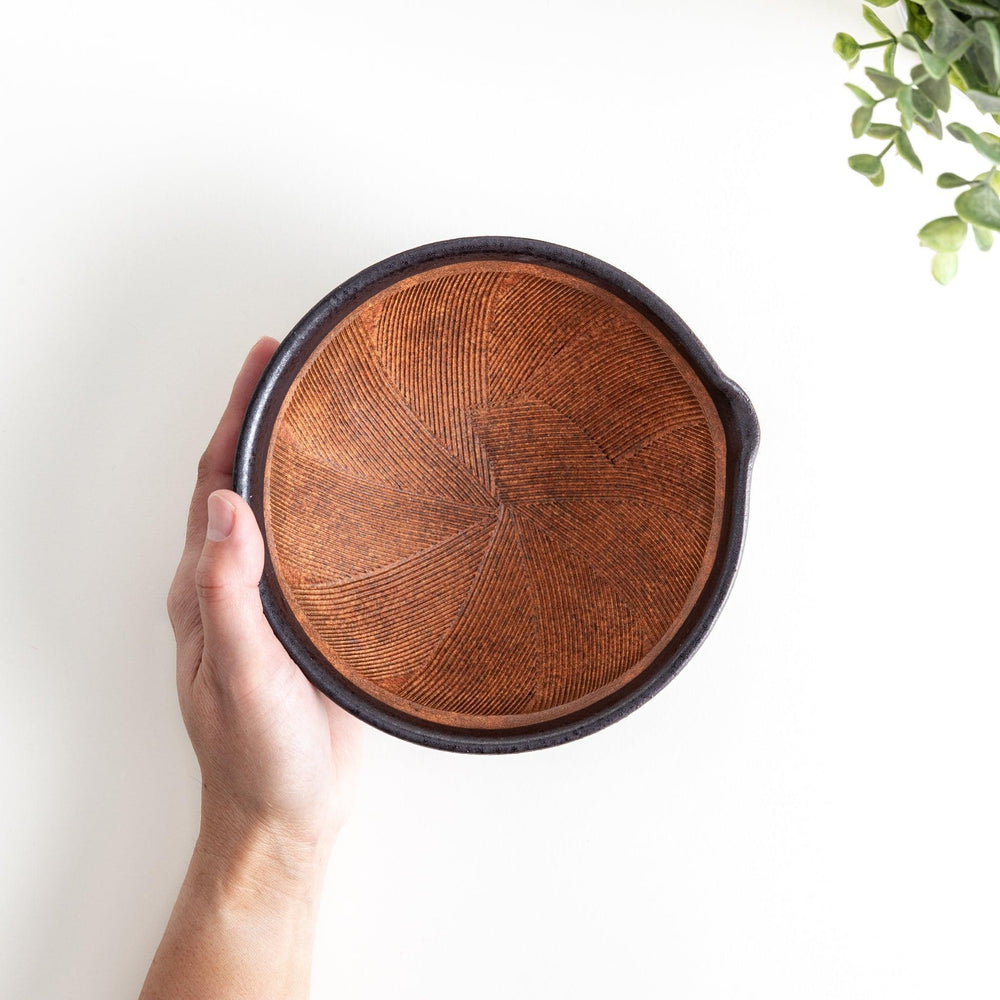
886, 150
878, 45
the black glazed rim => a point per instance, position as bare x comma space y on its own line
742, 436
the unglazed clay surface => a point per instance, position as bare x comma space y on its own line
493, 494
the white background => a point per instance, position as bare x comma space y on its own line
810, 809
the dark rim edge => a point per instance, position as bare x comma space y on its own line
742, 438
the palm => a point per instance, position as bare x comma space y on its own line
266, 739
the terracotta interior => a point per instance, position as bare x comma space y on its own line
493, 494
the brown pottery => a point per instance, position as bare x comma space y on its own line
503, 493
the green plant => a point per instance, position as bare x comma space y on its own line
957, 47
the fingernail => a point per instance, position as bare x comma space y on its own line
221, 518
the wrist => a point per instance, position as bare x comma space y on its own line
259, 858
245, 919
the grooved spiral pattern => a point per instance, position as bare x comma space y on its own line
493, 493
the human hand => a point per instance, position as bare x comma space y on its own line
278, 759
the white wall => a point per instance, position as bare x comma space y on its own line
810, 809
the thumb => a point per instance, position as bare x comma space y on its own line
236, 633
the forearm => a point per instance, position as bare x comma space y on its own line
277, 758
244, 920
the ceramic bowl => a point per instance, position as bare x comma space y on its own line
503, 491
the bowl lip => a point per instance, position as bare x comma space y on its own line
736, 413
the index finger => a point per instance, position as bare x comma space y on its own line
215, 469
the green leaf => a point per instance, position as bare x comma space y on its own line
920, 43
973, 9
876, 22
957, 79
989, 177
939, 91
936, 65
889, 58
933, 127
979, 206
949, 37
846, 47
889, 85
881, 130
949, 180
868, 166
972, 72
862, 95
987, 103
904, 101
865, 164
984, 237
947, 234
944, 267
922, 104
883, 3
988, 50
917, 20
905, 149
983, 142
956, 54
860, 121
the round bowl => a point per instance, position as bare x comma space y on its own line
503, 493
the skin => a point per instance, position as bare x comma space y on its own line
278, 759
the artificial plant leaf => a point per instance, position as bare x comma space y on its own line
944, 267
991, 177
882, 130
917, 20
936, 65
949, 37
988, 49
971, 68
939, 91
987, 103
949, 180
977, 64
933, 127
862, 95
979, 206
885, 82
876, 22
889, 58
973, 9
984, 142
883, 3
905, 149
904, 101
846, 47
984, 237
860, 121
865, 164
956, 54
922, 104
947, 234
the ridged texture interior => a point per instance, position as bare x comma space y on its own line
492, 493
